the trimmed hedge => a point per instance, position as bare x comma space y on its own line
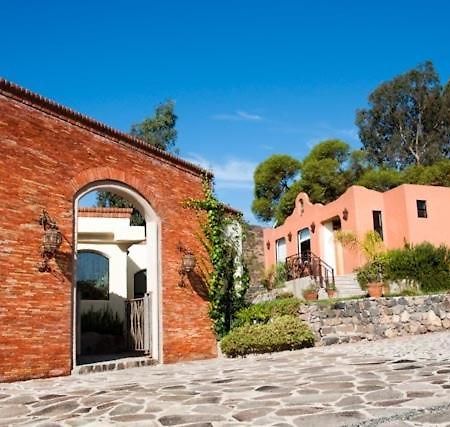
265, 311
283, 333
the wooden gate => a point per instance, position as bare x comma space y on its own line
138, 315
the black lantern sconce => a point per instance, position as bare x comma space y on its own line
188, 263
313, 227
345, 214
289, 236
51, 240
268, 245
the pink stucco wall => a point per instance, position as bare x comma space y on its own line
399, 216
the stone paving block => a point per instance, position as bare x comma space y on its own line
318, 386
332, 419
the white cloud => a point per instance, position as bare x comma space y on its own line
233, 173
238, 116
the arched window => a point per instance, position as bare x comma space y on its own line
93, 275
140, 284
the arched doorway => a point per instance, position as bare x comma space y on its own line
151, 262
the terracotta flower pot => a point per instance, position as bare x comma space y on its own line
332, 293
375, 290
310, 295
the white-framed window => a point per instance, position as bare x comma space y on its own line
280, 248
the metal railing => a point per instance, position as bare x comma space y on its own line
138, 315
309, 265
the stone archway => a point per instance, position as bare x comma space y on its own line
153, 264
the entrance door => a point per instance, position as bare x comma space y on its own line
304, 243
331, 249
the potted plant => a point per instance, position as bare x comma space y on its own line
371, 275
330, 288
311, 293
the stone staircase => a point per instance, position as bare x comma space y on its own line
347, 286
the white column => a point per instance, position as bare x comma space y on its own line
153, 286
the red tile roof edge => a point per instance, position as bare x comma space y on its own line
105, 212
42, 103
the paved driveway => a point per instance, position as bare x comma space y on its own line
396, 382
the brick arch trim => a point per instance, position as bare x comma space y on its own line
96, 174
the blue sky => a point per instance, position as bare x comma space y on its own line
250, 78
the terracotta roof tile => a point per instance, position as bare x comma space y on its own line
105, 212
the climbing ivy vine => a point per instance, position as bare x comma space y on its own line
228, 278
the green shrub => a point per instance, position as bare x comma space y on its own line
283, 333
275, 276
264, 311
102, 321
424, 265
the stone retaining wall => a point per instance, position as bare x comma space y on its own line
372, 319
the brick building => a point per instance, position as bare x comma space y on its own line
51, 157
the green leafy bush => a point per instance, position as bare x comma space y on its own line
101, 321
275, 276
371, 272
424, 265
265, 311
283, 333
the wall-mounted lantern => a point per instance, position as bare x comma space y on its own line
289, 236
313, 227
345, 214
268, 245
51, 240
188, 263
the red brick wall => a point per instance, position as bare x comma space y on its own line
45, 160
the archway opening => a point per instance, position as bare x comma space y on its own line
116, 239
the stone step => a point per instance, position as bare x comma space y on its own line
114, 365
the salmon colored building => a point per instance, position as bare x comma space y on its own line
407, 213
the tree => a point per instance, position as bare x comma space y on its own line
404, 124
272, 178
323, 172
159, 130
435, 174
106, 199
445, 119
382, 179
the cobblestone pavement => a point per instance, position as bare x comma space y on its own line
397, 382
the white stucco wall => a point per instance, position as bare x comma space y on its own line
126, 249
138, 255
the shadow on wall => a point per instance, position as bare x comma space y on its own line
62, 264
198, 283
